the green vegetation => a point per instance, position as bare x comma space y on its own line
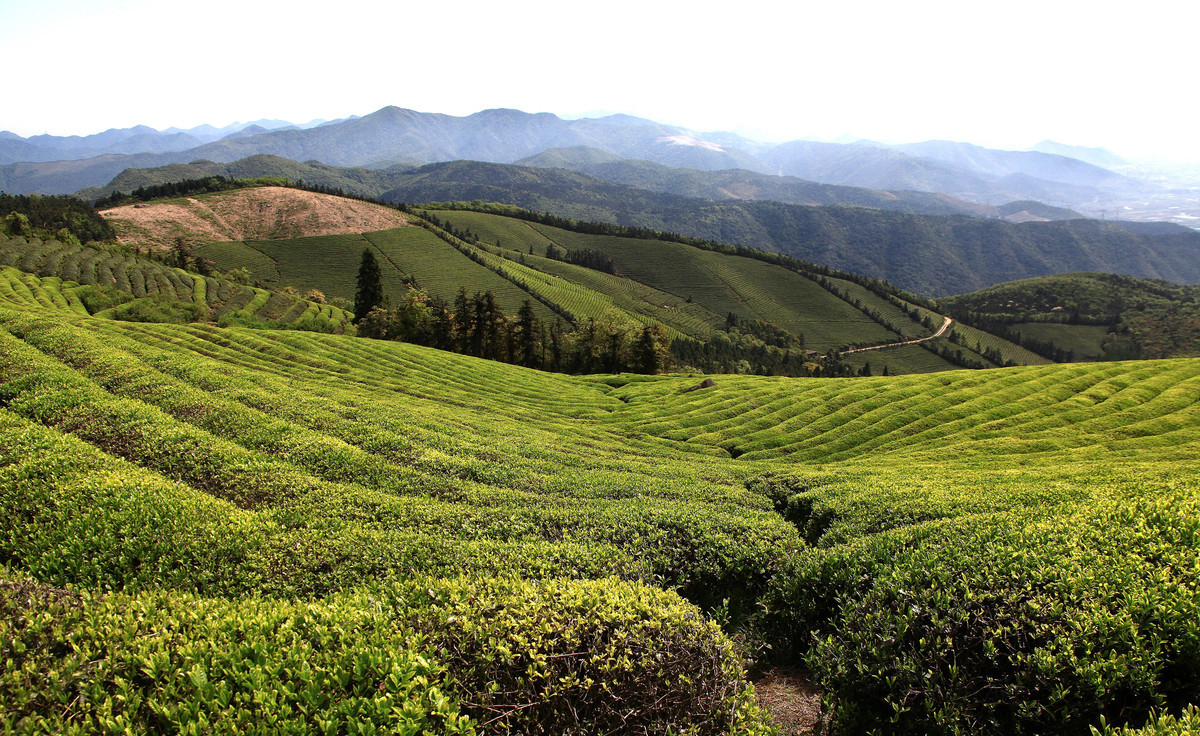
743, 311
930, 254
1088, 316
368, 293
184, 188
241, 530
62, 218
111, 283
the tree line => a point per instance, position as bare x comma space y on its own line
476, 325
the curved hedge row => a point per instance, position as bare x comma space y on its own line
145, 278
422, 657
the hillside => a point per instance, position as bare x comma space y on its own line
691, 292
927, 254
1092, 316
252, 213
290, 530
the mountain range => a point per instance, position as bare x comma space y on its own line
396, 136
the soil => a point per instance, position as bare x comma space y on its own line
261, 213
792, 701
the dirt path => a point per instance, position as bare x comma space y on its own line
934, 336
792, 701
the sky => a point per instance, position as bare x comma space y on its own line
1000, 74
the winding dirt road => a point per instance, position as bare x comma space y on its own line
934, 336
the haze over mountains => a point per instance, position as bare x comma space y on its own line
937, 217
1055, 174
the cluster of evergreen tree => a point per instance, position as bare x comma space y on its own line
585, 257
741, 349
60, 217
476, 325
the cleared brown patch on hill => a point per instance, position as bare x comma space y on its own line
262, 213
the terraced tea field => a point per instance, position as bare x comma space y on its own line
67, 268
261, 531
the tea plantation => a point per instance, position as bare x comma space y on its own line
227, 530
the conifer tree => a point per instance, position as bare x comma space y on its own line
369, 291
528, 337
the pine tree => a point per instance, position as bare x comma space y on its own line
529, 330
369, 292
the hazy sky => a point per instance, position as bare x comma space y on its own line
1004, 74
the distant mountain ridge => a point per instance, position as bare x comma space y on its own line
740, 184
397, 136
138, 139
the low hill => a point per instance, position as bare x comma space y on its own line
255, 212
231, 527
1091, 316
363, 182
1030, 211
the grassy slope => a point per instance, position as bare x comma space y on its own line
254, 464
657, 279
716, 283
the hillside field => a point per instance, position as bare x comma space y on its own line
690, 291
229, 530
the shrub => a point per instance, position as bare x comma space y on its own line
157, 309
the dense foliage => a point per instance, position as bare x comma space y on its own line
478, 326
64, 218
1140, 318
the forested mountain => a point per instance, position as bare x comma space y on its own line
932, 255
